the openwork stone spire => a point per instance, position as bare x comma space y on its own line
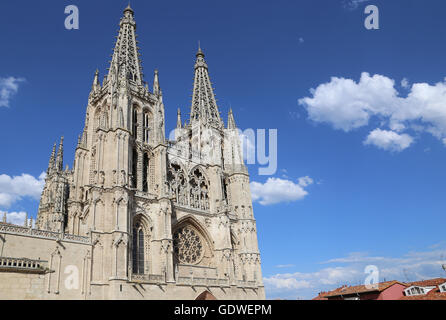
52, 162
204, 105
231, 121
59, 159
125, 62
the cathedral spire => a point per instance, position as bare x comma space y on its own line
204, 105
231, 121
52, 162
59, 159
125, 62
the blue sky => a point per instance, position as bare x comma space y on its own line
369, 139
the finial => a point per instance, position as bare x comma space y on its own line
200, 52
128, 9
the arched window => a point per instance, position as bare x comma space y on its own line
177, 184
134, 169
145, 173
146, 127
135, 123
199, 191
103, 122
138, 249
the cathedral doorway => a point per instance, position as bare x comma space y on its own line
206, 295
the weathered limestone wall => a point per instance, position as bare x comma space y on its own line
70, 278
21, 286
69, 265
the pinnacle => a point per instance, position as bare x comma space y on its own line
200, 52
128, 9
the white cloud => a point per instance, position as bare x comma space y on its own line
307, 285
405, 83
283, 266
17, 218
8, 88
13, 189
276, 190
280, 282
349, 270
388, 140
305, 181
348, 105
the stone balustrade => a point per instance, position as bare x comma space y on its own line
22, 265
206, 282
148, 278
46, 234
247, 284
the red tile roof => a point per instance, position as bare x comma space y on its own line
433, 294
428, 283
344, 291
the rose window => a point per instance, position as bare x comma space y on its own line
187, 246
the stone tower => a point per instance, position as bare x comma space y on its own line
175, 214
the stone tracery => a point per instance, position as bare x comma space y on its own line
192, 191
188, 246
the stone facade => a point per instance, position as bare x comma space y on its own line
140, 216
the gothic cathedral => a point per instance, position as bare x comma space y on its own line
140, 216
